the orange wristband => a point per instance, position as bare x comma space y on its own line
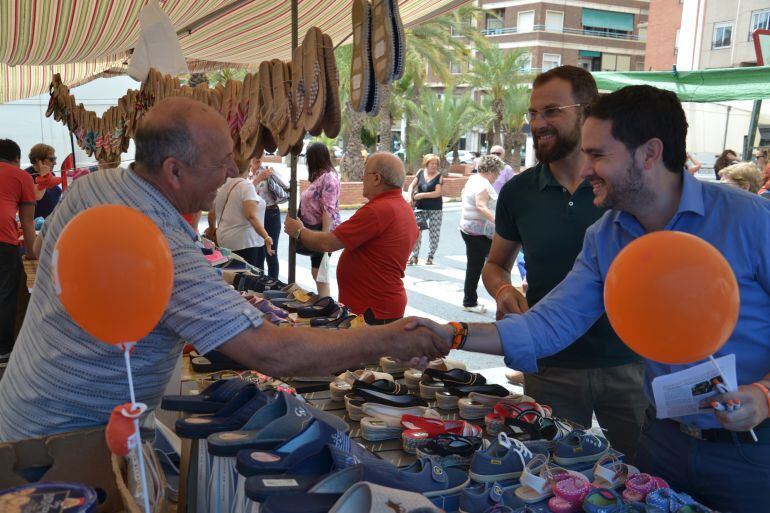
765, 391
461, 333
502, 288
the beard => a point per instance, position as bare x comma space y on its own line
563, 145
626, 191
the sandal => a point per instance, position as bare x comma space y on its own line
640, 485
569, 494
504, 410
538, 479
609, 472
384, 422
449, 449
419, 430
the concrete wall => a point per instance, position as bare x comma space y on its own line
741, 50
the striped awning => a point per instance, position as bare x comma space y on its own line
83, 39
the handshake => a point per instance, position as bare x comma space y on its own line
416, 341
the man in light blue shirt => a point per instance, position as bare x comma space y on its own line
634, 141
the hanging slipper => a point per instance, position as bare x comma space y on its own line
314, 77
280, 114
332, 117
361, 70
296, 99
383, 42
399, 57
249, 132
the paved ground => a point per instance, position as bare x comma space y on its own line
433, 291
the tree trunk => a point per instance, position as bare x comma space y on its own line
386, 121
519, 140
456, 153
352, 165
498, 109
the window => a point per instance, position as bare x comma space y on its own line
759, 20
611, 62
525, 21
554, 21
494, 21
551, 60
455, 68
607, 23
722, 35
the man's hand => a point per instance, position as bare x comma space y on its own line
753, 408
209, 232
291, 226
510, 300
29, 255
414, 343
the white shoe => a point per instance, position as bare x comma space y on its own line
479, 309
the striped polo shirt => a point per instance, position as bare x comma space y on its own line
60, 378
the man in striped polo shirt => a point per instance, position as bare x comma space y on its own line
61, 379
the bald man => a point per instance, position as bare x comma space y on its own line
61, 379
376, 242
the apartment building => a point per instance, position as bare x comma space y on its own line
727, 29
598, 35
663, 30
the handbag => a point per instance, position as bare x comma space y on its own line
301, 248
213, 231
420, 217
280, 195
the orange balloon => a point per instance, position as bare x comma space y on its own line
113, 271
672, 297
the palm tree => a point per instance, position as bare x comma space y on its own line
197, 79
494, 72
515, 105
443, 120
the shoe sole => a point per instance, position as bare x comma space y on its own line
491, 478
581, 459
448, 491
428, 391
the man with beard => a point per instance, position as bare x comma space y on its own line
545, 211
634, 146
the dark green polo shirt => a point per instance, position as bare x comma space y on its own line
534, 209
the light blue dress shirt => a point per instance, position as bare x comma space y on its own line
737, 223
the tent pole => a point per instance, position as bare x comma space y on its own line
727, 123
294, 190
753, 123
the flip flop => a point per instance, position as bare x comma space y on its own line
296, 99
343, 384
419, 430
210, 400
384, 422
383, 42
232, 416
362, 80
481, 400
332, 123
412, 377
314, 77
399, 57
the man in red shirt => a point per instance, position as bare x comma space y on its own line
376, 242
17, 194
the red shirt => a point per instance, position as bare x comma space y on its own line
16, 187
378, 240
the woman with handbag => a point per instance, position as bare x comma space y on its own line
319, 207
425, 193
273, 190
237, 219
477, 225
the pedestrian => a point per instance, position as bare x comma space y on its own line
47, 189
726, 158
238, 219
477, 225
17, 196
744, 175
261, 177
425, 192
319, 207
376, 242
506, 174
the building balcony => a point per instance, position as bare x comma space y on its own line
564, 30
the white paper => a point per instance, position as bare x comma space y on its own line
679, 394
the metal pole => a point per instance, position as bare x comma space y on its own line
294, 190
754, 122
727, 123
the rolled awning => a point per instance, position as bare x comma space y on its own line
589, 53
596, 18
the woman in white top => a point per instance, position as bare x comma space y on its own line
238, 216
272, 222
477, 225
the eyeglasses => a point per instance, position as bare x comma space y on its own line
549, 113
51, 159
499, 154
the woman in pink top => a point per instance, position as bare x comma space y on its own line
319, 206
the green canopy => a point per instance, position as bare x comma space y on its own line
595, 18
708, 85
